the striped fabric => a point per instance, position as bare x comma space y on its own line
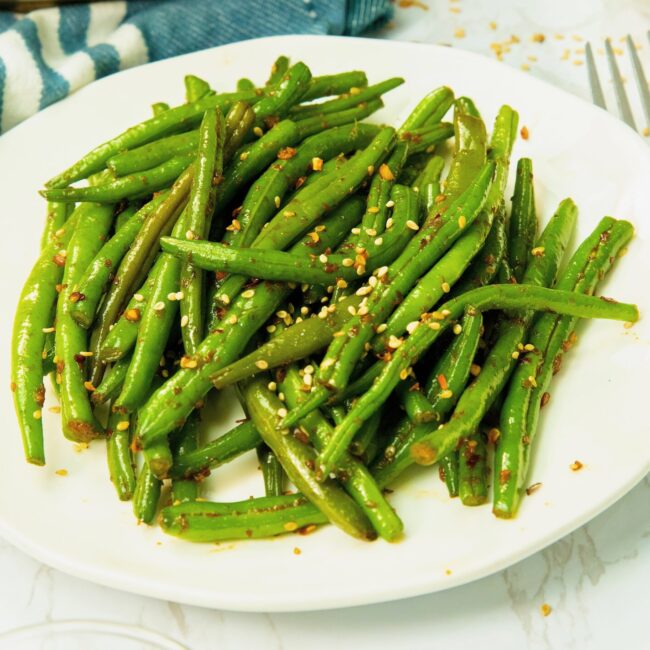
49, 53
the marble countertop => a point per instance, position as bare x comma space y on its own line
595, 580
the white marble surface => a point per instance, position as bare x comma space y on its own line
595, 580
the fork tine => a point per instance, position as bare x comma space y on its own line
621, 97
596, 90
641, 81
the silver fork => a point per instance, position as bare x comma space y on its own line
619, 87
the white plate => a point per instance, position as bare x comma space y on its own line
597, 414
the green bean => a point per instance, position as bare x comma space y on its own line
119, 456
431, 242
161, 124
33, 315
296, 342
240, 120
427, 182
57, 215
354, 476
230, 445
317, 123
222, 346
530, 380
430, 110
367, 433
196, 88
130, 210
155, 153
95, 278
136, 264
417, 406
523, 220
472, 486
454, 365
471, 149
245, 84
500, 362
207, 521
278, 70
271, 471
184, 490
260, 202
127, 187
288, 91
346, 101
121, 338
424, 139
79, 423
112, 383
296, 458
158, 108
199, 206
254, 158
146, 496
335, 84
324, 194
155, 325
438, 442
484, 267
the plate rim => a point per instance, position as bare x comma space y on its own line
302, 602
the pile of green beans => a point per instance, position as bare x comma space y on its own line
321, 266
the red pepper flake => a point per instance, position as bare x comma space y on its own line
386, 173
297, 551
286, 153
76, 296
504, 476
546, 609
576, 466
524, 133
132, 315
300, 181
545, 399
59, 259
442, 380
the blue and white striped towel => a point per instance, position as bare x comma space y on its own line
49, 53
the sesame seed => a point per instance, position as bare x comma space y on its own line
272, 386
394, 342
538, 251
37, 414
532, 381
171, 296
262, 364
271, 328
361, 270
277, 200
47, 330
363, 310
308, 379
159, 306
61, 472
244, 155
352, 310
546, 609
341, 283
381, 328
188, 362
317, 164
404, 373
89, 386
435, 325
371, 232
386, 173
445, 287
224, 298
258, 131
282, 412
459, 33
446, 394
281, 313
289, 213
515, 355
371, 170
190, 234
373, 210
462, 221
412, 225
347, 261
389, 204
412, 326
355, 231
184, 320
381, 271
123, 425
54, 409
322, 258
363, 291
249, 293
458, 328
138, 297
379, 241
529, 347
232, 319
